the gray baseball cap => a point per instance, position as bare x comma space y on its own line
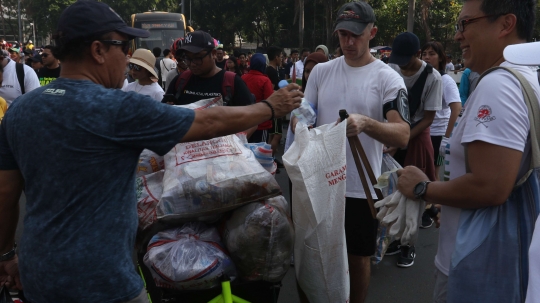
354, 17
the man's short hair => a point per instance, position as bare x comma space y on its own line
49, 47
166, 52
242, 54
294, 51
523, 9
156, 51
249, 53
305, 50
273, 52
220, 48
76, 49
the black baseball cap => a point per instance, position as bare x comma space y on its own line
405, 46
354, 17
197, 41
89, 18
36, 58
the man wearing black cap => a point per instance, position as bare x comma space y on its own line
204, 79
51, 67
37, 63
371, 92
424, 87
74, 145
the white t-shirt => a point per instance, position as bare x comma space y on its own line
153, 90
299, 69
432, 93
449, 67
450, 95
334, 85
170, 76
495, 113
166, 66
533, 290
10, 88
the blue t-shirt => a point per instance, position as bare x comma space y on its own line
77, 145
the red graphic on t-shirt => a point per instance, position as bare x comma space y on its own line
484, 115
483, 112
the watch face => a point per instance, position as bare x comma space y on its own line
419, 189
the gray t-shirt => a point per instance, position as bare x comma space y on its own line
77, 145
432, 94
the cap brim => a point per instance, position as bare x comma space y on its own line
523, 54
134, 32
145, 66
400, 60
354, 27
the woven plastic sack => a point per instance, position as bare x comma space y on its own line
211, 177
260, 237
383, 240
189, 257
149, 162
148, 189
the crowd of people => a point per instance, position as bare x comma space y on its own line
405, 105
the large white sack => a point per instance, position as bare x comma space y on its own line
149, 162
259, 237
316, 164
189, 257
148, 190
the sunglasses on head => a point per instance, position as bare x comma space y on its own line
135, 67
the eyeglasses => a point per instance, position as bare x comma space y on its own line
123, 44
135, 67
196, 60
460, 25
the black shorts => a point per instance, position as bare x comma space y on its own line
277, 126
436, 142
259, 136
360, 228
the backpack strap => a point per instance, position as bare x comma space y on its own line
228, 87
181, 83
415, 93
19, 68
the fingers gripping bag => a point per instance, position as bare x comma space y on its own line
148, 189
259, 237
189, 257
316, 164
210, 177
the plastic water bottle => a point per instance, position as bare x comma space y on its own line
305, 113
283, 83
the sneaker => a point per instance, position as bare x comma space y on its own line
406, 257
393, 248
426, 220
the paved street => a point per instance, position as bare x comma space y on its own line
389, 283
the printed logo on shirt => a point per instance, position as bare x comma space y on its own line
484, 116
46, 80
202, 94
54, 92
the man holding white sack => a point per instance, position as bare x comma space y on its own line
371, 92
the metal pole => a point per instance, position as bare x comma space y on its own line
34, 33
410, 17
19, 17
183, 6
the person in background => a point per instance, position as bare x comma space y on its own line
243, 64
15, 54
469, 79
322, 49
261, 87
157, 54
181, 67
37, 63
449, 65
274, 63
166, 65
220, 59
3, 103
51, 66
232, 66
142, 70
282, 71
290, 63
338, 52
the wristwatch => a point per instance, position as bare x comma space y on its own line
9, 255
420, 189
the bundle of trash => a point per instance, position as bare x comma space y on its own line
148, 190
149, 162
259, 237
188, 257
263, 154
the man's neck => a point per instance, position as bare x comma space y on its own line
53, 66
212, 73
412, 68
366, 59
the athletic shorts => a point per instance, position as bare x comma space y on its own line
436, 142
360, 228
277, 126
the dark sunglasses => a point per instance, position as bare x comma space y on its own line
135, 67
123, 44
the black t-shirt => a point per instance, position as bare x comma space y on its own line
272, 73
221, 64
47, 75
199, 88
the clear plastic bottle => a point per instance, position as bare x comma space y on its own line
305, 113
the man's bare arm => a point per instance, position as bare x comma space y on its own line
11, 186
221, 121
393, 133
489, 183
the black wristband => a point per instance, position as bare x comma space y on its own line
271, 108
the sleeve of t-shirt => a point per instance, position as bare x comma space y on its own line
393, 84
31, 80
242, 96
274, 77
171, 90
158, 93
497, 113
7, 159
143, 123
433, 95
450, 90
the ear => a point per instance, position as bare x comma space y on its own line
373, 32
97, 52
508, 25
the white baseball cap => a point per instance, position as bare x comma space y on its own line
523, 53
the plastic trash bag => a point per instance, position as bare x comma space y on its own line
259, 237
149, 189
189, 257
149, 162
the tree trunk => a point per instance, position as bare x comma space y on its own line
301, 24
425, 18
329, 22
410, 17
